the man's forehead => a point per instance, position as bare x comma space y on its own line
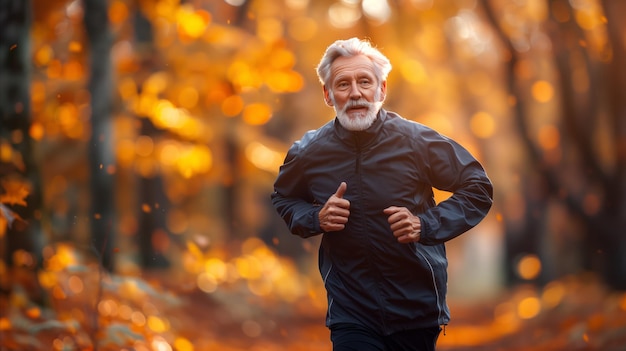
360, 65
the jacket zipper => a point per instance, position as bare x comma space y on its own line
357, 170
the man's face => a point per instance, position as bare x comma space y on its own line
354, 92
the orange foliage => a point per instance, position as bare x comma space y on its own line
208, 83
14, 191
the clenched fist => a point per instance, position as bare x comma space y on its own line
405, 226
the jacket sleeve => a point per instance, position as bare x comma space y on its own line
291, 197
450, 167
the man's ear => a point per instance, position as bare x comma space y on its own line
383, 90
327, 98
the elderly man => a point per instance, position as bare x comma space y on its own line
365, 182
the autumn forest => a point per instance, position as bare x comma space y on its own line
140, 139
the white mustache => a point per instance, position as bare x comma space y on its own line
357, 104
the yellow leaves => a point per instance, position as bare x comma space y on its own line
243, 75
188, 97
257, 114
282, 58
206, 283
129, 289
248, 267
130, 312
216, 268
284, 81
157, 325
47, 279
270, 66
232, 105
156, 83
193, 160
194, 250
64, 257
181, 344
192, 24
264, 157
166, 115
264, 272
15, 191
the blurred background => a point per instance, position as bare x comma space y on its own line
139, 142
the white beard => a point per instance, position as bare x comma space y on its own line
361, 121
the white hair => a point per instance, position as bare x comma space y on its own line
349, 48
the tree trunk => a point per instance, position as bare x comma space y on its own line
580, 124
582, 113
15, 115
615, 89
101, 157
152, 230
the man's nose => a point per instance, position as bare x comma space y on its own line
355, 93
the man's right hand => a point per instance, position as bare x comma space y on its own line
334, 214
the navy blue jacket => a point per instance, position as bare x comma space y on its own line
370, 278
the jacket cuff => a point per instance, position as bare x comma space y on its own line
316, 219
314, 223
424, 231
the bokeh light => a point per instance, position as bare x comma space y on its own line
529, 267
542, 91
482, 125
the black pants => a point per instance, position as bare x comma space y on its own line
353, 337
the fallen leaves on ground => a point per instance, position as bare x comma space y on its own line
160, 312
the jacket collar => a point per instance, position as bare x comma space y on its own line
365, 135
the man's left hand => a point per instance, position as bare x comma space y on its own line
405, 226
